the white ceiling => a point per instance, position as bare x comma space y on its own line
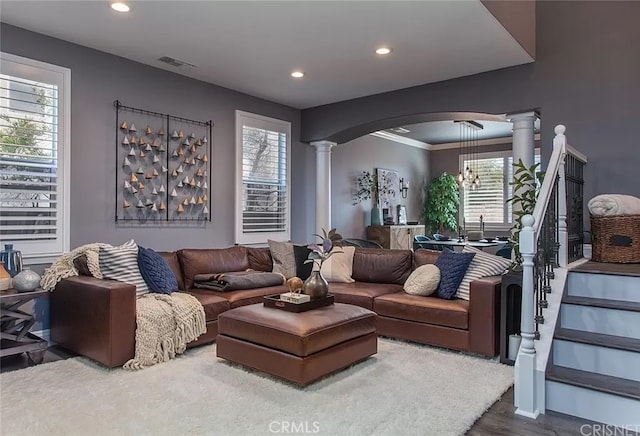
252, 46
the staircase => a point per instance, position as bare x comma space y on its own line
594, 367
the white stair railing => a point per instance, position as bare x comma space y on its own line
537, 269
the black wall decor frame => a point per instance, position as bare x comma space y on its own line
163, 166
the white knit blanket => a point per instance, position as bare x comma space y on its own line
614, 204
63, 266
166, 323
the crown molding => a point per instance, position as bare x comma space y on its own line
401, 139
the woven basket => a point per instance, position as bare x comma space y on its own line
616, 239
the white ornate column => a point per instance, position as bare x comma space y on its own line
323, 184
523, 139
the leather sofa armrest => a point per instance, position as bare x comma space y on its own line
95, 318
484, 315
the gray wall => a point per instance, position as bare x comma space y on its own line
585, 76
97, 79
364, 154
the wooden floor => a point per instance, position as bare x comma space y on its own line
499, 420
623, 269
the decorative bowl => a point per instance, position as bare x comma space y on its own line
26, 281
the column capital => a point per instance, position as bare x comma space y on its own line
523, 116
323, 145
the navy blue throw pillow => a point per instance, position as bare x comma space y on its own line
453, 266
156, 272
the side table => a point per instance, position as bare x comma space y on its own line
15, 324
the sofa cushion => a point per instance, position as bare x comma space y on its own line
171, 257
284, 261
338, 268
453, 267
121, 263
429, 310
211, 260
213, 304
379, 265
247, 296
260, 258
156, 272
360, 293
482, 265
423, 281
423, 256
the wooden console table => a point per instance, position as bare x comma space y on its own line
15, 324
396, 237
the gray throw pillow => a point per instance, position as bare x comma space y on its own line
284, 260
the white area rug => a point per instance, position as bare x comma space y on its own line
404, 389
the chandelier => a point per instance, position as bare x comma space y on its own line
469, 177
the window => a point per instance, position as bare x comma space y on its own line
262, 179
34, 157
489, 200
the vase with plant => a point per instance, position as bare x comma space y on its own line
442, 197
369, 186
526, 186
317, 286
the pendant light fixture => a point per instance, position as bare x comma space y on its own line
468, 176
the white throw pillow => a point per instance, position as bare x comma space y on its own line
339, 267
423, 281
121, 263
482, 265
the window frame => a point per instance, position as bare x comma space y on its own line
267, 123
505, 155
42, 252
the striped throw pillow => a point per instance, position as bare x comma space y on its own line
121, 263
482, 265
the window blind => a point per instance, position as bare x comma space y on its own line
264, 181
29, 188
488, 200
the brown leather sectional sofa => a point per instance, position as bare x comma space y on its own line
96, 318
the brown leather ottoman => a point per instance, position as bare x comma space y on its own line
299, 347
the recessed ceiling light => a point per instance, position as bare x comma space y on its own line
384, 50
297, 74
120, 7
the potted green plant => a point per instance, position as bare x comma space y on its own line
526, 186
442, 197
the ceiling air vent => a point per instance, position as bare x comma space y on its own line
175, 62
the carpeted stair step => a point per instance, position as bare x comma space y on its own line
598, 382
